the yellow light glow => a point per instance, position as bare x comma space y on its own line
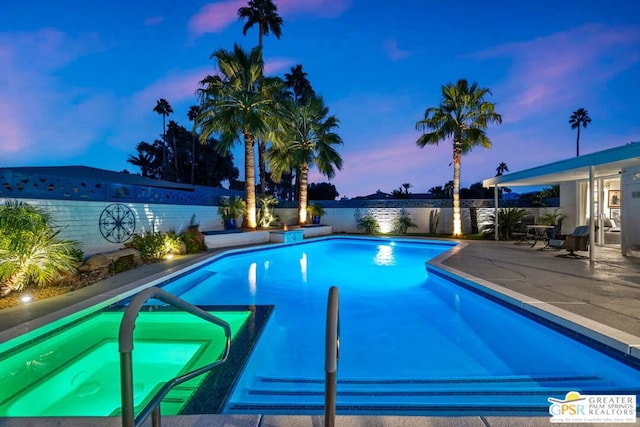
169, 256
26, 298
285, 228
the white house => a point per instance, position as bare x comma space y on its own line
600, 189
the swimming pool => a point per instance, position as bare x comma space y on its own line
412, 341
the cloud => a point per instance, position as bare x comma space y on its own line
559, 69
215, 17
393, 52
38, 109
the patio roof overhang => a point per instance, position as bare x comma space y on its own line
604, 163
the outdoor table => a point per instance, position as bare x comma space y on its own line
539, 232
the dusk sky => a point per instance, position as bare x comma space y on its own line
79, 79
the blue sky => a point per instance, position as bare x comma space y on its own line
79, 80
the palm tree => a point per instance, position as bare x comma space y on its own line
233, 104
265, 14
579, 117
163, 108
464, 115
305, 138
297, 81
502, 168
193, 113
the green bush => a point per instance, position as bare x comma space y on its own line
30, 249
194, 240
402, 223
265, 215
155, 246
509, 220
369, 224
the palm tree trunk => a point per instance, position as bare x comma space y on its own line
250, 180
578, 142
193, 156
457, 157
302, 204
262, 151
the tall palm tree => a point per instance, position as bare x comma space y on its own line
192, 114
265, 14
502, 168
305, 138
163, 108
463, 114
233, 105
297, 81
579, 117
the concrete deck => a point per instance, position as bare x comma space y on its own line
603, 296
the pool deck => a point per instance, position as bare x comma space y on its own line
603, 296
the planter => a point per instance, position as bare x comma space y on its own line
230, 224
315, 220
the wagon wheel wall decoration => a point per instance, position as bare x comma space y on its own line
117, 223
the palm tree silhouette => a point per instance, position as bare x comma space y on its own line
193, 113
464, 115
580, 116
502, 168
163, 108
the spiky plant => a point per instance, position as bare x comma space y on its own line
30, 249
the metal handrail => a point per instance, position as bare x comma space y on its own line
331, 356
125, 347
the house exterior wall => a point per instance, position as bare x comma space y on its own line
569, 205
630, 211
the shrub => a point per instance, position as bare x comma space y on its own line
194, 240
434, 219
369, 224
155, 246
265, 214
509, 220
402, 222
30, 249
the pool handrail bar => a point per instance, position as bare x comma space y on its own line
125, 347
331, 356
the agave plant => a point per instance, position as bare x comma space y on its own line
30, 249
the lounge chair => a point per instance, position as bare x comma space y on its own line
576, 241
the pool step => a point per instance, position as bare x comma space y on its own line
522, 395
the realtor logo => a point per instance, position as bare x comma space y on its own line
577, 408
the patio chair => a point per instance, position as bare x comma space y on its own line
576, 241
524, 233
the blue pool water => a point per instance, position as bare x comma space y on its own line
412, 342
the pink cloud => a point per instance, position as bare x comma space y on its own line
558, 69
33, 97
215, 17
393, 52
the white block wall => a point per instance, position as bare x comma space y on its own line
80, 220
